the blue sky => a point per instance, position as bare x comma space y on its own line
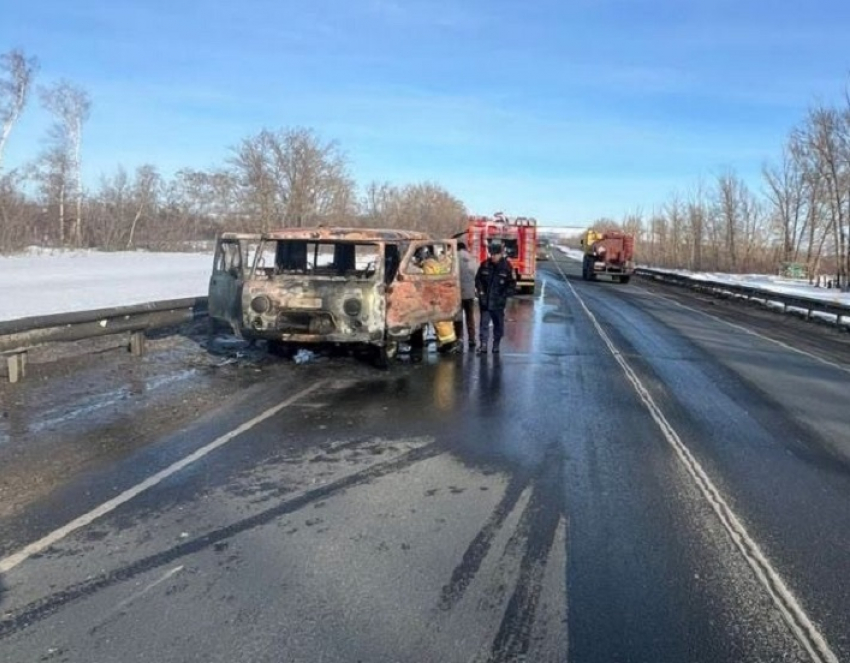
564, 110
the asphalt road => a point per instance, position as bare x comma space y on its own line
632, 479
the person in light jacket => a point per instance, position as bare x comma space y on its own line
467, 296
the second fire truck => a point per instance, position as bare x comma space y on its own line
518, 236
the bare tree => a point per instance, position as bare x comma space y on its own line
145, 193
115, 211
605, 223
729, 215
292, 178
825, 136
376, 206
656, 238
676, 245
786, 192
108, 211
633, 223
425, 206
52, 174
16, 74
697, 218
71, 106
195, 204
17, 226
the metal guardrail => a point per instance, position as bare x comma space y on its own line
17, 337
809, 305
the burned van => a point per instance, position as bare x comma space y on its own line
308, 286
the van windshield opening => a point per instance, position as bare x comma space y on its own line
328, 259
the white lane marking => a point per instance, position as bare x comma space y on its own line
146, 589
792, 612
752, 332
10, 562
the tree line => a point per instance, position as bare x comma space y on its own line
796, 221
287, 177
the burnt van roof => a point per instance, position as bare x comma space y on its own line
346, 234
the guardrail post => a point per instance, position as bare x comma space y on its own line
17, 364
137, 343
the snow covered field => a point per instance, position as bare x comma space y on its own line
41, 282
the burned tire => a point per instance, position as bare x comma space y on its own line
625, 279
384, 354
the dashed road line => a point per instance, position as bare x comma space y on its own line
10, 562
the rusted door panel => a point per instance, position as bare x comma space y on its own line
228, 275
416, 299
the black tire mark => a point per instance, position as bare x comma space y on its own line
43, 608
540, 520
465, 572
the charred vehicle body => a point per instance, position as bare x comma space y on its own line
308, 286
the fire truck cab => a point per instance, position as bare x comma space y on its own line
518, 236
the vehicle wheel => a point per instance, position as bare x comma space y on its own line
282, 349
591, 275
417, 345
385, 353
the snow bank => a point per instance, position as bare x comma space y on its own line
777, 284
41, 282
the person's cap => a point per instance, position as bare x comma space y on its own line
495, 248
461, 246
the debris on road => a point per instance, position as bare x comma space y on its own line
303, 356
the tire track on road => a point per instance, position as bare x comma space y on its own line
44, 608
466, 571
539, 522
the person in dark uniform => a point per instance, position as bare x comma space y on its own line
494, 283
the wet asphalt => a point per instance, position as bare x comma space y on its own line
519, 507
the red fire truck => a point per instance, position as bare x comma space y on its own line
518, 236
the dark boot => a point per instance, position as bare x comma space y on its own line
495, 347
450, 348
